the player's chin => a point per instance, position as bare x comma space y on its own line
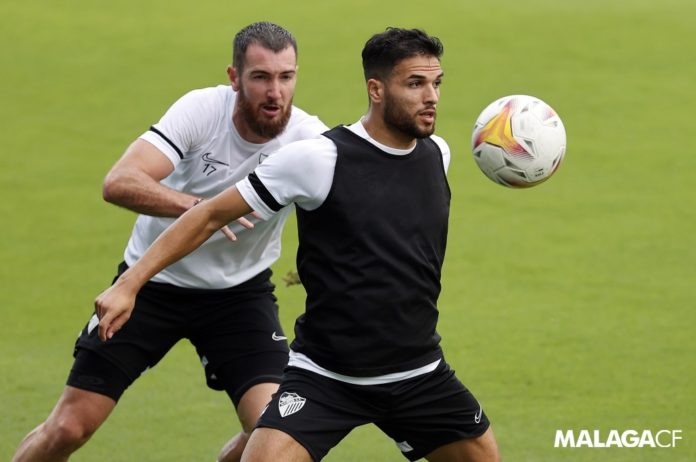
425, 130
270, 128
425, 125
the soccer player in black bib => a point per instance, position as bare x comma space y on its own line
373, 204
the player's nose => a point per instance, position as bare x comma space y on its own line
273, 90
431, 96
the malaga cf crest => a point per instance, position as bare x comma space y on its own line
290, 403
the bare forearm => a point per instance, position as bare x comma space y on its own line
138, 192
181, 238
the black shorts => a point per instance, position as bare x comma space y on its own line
236, 333
419, 414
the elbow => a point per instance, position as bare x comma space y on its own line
110, 189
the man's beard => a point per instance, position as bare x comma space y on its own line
397, 118
260, 125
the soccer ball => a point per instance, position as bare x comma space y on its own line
518, 141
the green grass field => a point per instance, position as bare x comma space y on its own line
568, 306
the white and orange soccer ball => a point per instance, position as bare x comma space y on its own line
518, 141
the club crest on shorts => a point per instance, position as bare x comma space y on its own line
290, 403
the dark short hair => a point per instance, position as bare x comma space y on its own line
385, 50
264, 33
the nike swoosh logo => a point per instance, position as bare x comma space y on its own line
477, 416
278, 338
206, 157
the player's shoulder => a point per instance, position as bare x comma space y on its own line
303, 125
303, 152
205, 107
299, 116
203, 93
441, 143
309, 147
209, 97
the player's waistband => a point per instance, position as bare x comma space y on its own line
301, 361
261, 281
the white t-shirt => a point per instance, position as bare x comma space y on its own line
197, 135
302, 174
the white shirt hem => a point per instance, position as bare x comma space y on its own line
303, 362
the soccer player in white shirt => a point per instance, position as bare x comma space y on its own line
219, 297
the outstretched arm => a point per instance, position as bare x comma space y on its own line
114, 305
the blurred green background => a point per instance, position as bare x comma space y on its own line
568, 306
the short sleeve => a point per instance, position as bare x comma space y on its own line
300, 173
444, 147
185, 125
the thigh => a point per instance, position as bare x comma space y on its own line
480, 449
432, 411
240, 341
81, 409
315, 411
252, 404
271, 445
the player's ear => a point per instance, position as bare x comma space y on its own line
233, 76
375, 90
